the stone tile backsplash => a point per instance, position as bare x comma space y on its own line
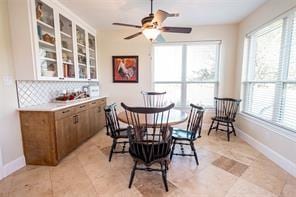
39, 92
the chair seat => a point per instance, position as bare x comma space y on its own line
182, 134
222, 119
121, 133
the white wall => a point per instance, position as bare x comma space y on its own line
111, 43
280, 143
10, 134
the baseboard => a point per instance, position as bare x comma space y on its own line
277, 158
13, 166
1, 166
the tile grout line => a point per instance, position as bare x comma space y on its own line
92, 184
50, 176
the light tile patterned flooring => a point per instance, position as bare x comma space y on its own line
226, 169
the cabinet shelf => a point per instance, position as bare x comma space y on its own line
42, 42
67, 50
66, 35
48, 59
79, 44
45, 24
81, 64
70, 63
81, 54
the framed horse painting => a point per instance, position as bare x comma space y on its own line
125, 69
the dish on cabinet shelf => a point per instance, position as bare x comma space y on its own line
49, 73
44, 13
69, 70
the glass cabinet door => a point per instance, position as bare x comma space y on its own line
81, 52
46, 40
67, 47
92, 56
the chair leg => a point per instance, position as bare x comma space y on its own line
194, 151
166, 164
233, 128
217, 127
164, 177
132, 175
172, 151
199, 134
211, 127
228, 133
112, 148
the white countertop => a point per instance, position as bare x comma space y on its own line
58, 106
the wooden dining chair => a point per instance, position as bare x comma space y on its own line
193, 131
225, 113
118, 134
150, 139
154, 99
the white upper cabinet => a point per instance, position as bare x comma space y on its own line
50, 42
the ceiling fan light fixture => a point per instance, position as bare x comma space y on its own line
151, 33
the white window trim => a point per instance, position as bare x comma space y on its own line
183, 81
286, 40
278, 129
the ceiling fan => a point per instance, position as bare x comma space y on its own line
152, 26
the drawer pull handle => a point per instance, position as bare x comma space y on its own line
66, 111
82, 106
75, 119
93, 102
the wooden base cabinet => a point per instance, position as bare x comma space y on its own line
49, 136
96, 115
66, 135
82, 123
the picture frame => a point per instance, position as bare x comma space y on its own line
125, 69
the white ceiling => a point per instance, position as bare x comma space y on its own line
102, 13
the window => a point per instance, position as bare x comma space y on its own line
188, 72
270, 77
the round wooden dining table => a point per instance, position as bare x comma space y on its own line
176, 117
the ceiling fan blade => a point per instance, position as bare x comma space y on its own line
159, 39
133, 36
161, 15
185, 30
126, 25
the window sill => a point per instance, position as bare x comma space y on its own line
274, 128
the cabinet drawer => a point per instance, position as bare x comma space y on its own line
81, 107
64, 113
94, 103
102, 101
